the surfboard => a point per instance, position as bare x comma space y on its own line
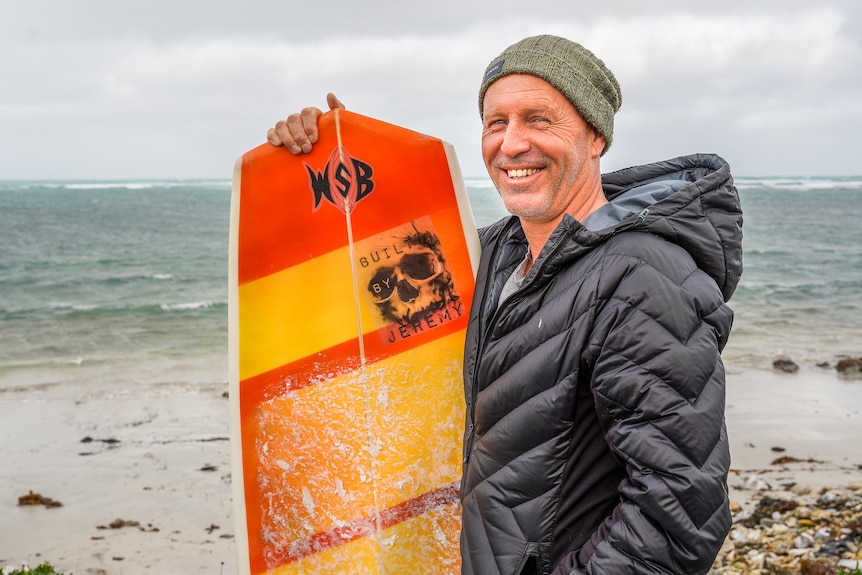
351, 272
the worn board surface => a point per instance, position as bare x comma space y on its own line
351, 271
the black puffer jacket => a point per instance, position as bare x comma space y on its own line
595, 438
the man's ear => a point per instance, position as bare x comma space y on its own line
599, 144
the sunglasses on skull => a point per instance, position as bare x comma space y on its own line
413, 271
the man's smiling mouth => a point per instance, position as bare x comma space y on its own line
523, 173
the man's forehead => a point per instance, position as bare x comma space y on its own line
524, 89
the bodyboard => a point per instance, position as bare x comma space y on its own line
351, 273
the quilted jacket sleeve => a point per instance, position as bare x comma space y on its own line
658, 382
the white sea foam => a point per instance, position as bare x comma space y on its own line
801, 184
186, 306
140, 185
72, 306
479, 183
112, 185
781, 183
130, 185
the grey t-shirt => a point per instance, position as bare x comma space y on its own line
515, 280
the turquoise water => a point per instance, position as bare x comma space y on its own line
801, 291
124, 283
127, 280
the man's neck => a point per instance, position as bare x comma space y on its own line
538, 232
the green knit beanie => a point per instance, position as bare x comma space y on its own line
570, 68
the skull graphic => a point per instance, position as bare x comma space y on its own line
416, 285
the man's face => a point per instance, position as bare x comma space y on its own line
537, 148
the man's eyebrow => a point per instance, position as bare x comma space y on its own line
537, 109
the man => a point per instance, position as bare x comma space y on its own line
595, 439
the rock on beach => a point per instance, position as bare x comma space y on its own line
794, 530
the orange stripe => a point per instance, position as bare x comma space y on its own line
277, 195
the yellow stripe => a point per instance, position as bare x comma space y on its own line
315, 471
274, 312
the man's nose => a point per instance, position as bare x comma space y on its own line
515, 140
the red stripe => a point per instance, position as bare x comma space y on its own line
363, 527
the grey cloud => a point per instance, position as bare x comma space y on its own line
179, 89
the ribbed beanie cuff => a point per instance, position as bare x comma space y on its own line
570, 68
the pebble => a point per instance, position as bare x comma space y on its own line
755, 482
785, 364
797, 531
801, 489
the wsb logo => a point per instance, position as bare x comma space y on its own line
344, 181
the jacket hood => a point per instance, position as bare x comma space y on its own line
703, 217
701, 214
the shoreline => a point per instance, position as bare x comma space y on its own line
158, 460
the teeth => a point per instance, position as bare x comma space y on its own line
521, 173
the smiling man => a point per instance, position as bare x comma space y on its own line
595, 437
541, 155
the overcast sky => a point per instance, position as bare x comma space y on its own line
110, 89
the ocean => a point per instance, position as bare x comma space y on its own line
120, 284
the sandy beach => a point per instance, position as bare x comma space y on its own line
158, 458
156, 465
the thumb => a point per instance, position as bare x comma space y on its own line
334, 102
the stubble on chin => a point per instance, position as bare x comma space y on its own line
525, 205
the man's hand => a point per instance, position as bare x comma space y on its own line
299, 131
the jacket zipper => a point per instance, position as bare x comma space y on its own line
484, 330
488, 328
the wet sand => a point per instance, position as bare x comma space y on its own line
158, 460
814, 417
